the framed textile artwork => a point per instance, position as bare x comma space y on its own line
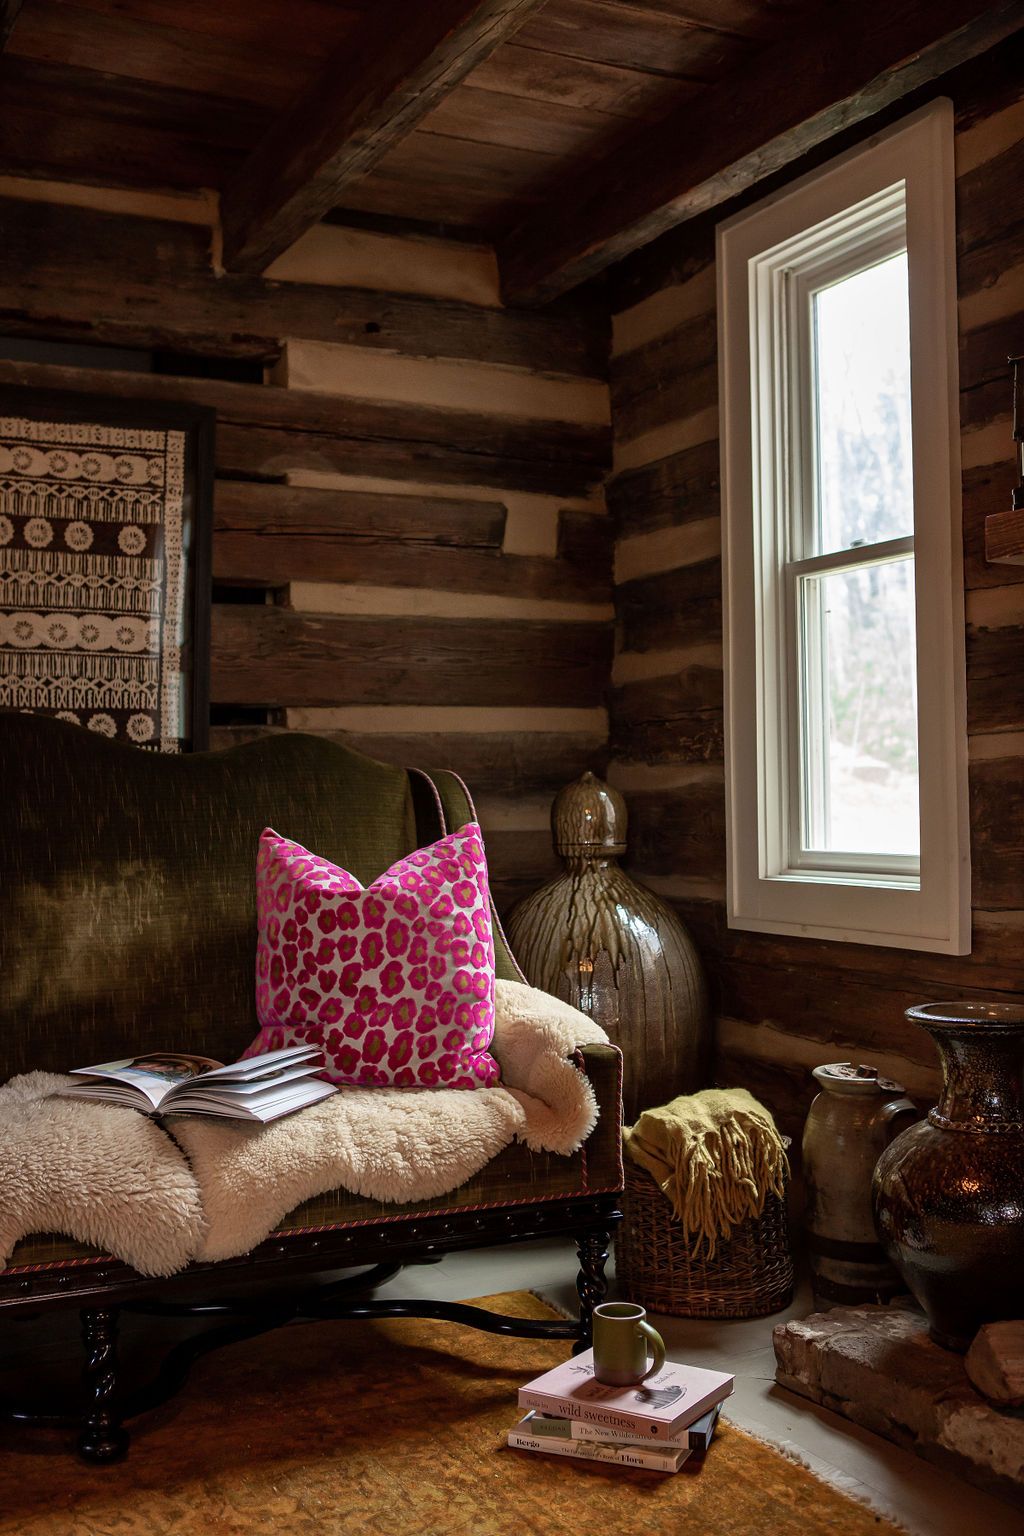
105, 519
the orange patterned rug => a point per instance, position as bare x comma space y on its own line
390, 1428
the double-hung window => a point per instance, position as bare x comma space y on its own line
845, 716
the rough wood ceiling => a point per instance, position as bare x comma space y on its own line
565, 132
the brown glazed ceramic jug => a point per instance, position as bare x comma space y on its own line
949, 1192
614, 951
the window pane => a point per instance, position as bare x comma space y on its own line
862, 384
860, 710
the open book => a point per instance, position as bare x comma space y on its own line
167, 1083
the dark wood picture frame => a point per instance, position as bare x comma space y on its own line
197, 424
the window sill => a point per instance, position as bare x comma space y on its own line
857, 879
888, 938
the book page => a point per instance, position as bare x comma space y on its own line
268, 1064
154, 1074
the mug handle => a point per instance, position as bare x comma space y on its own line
657, 1348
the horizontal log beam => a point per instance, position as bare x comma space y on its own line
585, 540
845, 1014
673, 719
331, 415
679, 832
79, 274
268, 431
511, 764
667, 379
268, 535
256, 559
400, 62
673, 608
997, 833
270, 657
518, 863
995, 963
995, 682
407, 521
785, 1090
273, 452
670, 263
984, 352
989, 238
683, 488
854, 61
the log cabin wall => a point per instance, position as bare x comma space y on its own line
785, 1005
410, 548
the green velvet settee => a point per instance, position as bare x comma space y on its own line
128, 923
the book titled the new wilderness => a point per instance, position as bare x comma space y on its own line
659, 1407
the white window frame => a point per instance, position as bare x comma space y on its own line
898, 186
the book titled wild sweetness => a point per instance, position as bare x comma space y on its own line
262, 1088
657, 1410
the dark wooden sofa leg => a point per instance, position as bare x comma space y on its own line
102, 1437
591, 1284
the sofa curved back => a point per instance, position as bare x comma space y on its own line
127, 879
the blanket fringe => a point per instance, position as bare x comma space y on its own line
721, 1179
716, 1156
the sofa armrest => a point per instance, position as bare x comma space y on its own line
602, 1150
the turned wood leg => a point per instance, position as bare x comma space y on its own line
590, 1282
102, 1438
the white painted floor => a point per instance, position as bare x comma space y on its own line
926, 1500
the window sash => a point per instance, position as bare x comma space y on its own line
862, 236
809, 749
852, 558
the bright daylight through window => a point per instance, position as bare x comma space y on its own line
858, 656
846, 738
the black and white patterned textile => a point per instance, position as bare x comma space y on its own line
93, 576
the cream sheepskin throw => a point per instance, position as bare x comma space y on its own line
395, 1145
95, 1172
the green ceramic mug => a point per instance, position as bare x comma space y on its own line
621, 1335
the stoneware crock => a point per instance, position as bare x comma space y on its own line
851, 1122
949, 1192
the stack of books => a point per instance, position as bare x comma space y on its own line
657, 1425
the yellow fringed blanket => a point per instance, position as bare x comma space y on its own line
716, 1155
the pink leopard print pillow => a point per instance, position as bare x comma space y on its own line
395, 982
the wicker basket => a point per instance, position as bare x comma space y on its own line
749, 1275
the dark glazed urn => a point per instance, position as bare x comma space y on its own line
949, 1192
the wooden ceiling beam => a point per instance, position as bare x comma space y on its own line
401, 62
8, 16
849, 61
